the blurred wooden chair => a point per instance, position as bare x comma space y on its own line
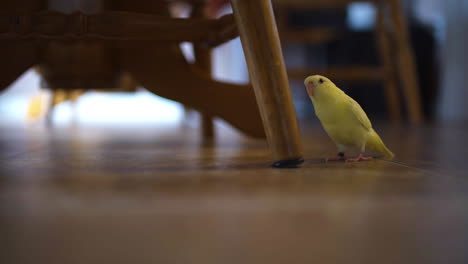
392, 41
88, 50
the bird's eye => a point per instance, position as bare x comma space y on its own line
320, 80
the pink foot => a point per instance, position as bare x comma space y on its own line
339, 157
359, 158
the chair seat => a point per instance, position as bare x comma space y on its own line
116, 26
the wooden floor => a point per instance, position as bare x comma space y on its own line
159, 194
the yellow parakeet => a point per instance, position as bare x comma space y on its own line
343, 119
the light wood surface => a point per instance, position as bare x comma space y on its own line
260, 41
157, 194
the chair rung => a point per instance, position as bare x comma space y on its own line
316, 3
314, 35
352, 73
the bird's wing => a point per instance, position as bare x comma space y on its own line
359, 114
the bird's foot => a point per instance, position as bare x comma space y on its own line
359, 158
339, 157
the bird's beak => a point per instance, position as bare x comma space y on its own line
310, 89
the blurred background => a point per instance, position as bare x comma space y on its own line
438, 37
126, 179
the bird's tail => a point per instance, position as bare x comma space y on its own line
376, 144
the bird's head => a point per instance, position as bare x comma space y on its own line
318, 86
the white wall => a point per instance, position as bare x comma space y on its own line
454, 94
450, 18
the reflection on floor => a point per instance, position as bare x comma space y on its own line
152, 194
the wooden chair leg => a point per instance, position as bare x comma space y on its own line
407, 67
260, 41
391, 89
203, 62
56, 96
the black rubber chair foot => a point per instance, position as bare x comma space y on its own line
290, 163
